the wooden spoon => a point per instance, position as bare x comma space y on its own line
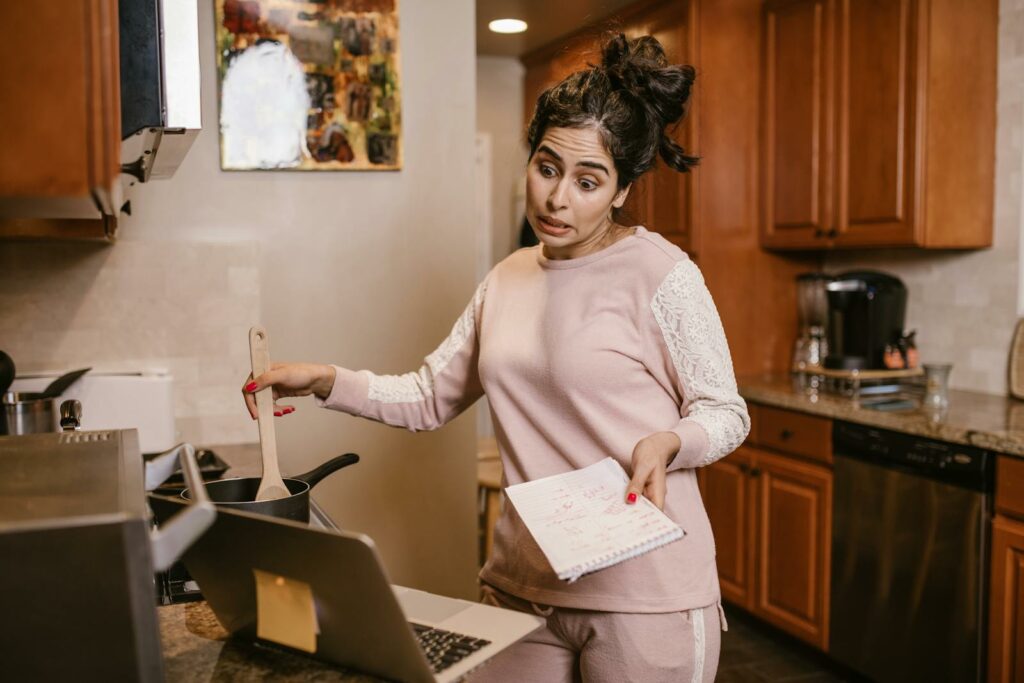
272, 485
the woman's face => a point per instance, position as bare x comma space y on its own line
571, 189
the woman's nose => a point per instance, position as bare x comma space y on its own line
556, 200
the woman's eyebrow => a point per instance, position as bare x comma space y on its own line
550, 152
588, 164
594, 164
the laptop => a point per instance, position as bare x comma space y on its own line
363, 621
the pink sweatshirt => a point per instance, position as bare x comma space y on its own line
580, 359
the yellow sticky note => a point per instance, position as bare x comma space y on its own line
285, 612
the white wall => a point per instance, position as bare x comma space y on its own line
360, 269
499, 112
964, 304
499, 120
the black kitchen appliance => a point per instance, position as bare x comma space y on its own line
866, 311
909, 562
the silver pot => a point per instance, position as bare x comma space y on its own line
27, 413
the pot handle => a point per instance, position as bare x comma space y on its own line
314, 476
170, 541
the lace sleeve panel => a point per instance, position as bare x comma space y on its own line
693, 334
421, 387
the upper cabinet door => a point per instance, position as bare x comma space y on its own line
910, 91
60, 124
877, 105
797, 117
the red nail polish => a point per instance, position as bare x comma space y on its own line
289, 410
631, 498
278, 413
251, 386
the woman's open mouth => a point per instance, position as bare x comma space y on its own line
553, 226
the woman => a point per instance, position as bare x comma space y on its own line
601, 341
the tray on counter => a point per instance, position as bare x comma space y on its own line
210, 467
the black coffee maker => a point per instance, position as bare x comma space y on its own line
866, 312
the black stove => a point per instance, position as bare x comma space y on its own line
176, 586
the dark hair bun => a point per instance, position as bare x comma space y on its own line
641, 67
634, 97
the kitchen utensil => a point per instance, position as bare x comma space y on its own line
26, 413
7, 372
240, 493
1017, 361
61, 384
272, 486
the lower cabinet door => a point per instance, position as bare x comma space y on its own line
1006, 625
794, 522
725, 488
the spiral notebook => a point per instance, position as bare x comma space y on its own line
582, 523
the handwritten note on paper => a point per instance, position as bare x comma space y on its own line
582, 523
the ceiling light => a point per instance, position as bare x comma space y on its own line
507, 26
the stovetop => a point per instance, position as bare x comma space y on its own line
176, 586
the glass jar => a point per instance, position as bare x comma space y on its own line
936, 389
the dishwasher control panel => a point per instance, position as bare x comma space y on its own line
953, 463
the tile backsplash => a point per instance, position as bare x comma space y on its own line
186, 307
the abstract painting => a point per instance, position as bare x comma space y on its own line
309, 85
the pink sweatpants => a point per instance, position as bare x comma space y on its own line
582, 645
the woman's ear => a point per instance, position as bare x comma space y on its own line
620, 198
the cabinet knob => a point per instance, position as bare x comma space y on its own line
755, 472
744, 468
832, 233
785, 434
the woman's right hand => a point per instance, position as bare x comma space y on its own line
289, 379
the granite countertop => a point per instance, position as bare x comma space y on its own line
197, 648
984, 420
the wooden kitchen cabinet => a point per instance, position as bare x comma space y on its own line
1006, 619
1006, 588
60, 127
663, 200
771, 513
879, 123
794, 523
727, 490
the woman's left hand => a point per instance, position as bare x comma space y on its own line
651, 457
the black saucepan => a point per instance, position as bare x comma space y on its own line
240, 493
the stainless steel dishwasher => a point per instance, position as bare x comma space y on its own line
909, 555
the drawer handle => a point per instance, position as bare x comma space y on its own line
744, 468
785, 434
755, 472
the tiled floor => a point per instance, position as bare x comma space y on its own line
752, 653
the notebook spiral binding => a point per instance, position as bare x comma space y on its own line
608, 559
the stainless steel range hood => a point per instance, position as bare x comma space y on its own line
160, 104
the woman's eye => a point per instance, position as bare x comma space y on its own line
588, 185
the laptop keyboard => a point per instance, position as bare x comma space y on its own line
444, 648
